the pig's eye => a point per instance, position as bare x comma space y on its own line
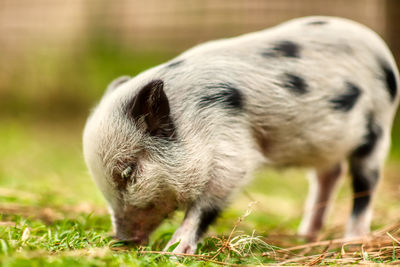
127, 173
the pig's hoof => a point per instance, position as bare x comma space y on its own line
185, 248
309, 236
357, 231
355, 235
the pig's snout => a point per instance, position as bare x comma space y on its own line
134, 225
129, 233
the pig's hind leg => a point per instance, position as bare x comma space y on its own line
366, 164
321, 187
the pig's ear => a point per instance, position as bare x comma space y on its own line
117, 82
151, 104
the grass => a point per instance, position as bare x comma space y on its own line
52, 213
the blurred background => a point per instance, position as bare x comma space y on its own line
57, 57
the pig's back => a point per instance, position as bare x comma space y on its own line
309, 87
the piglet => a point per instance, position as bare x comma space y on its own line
314, 92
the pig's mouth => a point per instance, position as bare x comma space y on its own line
134, 225
133, 241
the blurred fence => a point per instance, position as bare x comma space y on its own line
172, 24
45, 43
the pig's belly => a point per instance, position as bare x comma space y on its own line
308, 147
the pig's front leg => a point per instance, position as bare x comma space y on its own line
197, 219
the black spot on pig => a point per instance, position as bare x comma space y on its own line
224, 94
389, 78
374, 132
288, 49
363, 176
207, 217
317, 22
347, 100
174, 64
295, 83
363, 185
284, 48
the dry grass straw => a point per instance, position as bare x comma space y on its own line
381, 246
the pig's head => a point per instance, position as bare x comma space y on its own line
127, 145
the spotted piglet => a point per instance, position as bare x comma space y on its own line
313, 92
